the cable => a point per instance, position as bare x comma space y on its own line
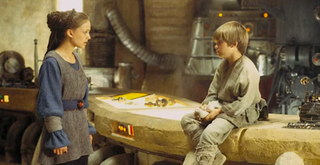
274, 76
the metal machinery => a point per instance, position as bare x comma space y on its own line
296, 79
296, 75
19, 130
283, 52
310, 110
260, 25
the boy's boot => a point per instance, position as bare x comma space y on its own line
190, 159
219, 159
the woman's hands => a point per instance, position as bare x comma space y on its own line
60, 151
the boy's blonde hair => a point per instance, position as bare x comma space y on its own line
233, 32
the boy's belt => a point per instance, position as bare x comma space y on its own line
70, 105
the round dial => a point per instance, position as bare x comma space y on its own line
316, 59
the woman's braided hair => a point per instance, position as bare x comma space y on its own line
59, 22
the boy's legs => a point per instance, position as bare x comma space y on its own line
192, 128
213, 135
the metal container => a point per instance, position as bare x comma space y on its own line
100, 77
262, 64
123, 76
203, 60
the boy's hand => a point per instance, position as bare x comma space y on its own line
196, 114
60, 151
212, 114
203, 106
91, 139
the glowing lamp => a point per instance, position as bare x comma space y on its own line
265, 15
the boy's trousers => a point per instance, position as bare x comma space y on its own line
206, 137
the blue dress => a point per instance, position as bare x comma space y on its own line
55, 88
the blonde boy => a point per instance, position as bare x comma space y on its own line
235, 86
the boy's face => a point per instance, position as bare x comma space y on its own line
223, 49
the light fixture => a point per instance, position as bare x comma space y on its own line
265, 15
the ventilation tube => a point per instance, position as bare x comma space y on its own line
164, 61
317, 13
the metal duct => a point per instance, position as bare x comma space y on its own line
13, 140
164, 61
29, 142
317, 13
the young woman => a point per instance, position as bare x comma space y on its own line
63, 92
234, 93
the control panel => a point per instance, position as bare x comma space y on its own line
122, 129
4, 98
259, 24
18, 99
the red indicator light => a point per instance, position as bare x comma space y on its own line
207, 26
130, 130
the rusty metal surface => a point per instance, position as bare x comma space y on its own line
20, 99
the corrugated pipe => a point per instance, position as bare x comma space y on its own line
164, 61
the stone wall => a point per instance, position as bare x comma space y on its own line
23, 21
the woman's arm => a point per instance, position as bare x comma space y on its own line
49, 103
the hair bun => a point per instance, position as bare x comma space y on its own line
55, 21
